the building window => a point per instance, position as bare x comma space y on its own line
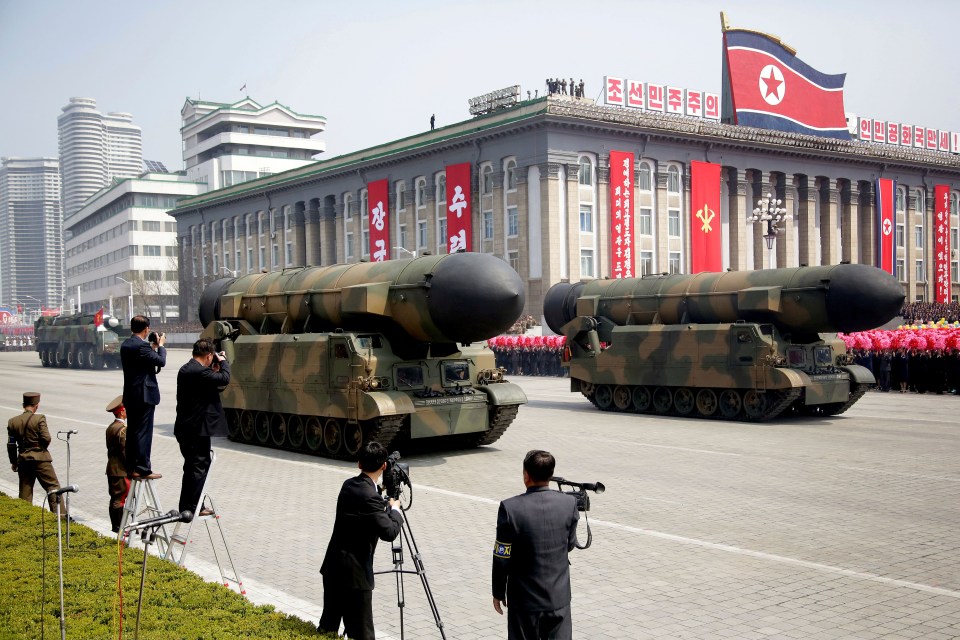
586, 218
442, 235
365, 241
349, 245
151, 274
901, 203
441, 188
403, 235
586, 263
421, 192
900, 235
646, 181
674, 266
276, 256
513, 222
249, 259
150, 225
646, 263
488, 225
216, 265
486, 180
401, 196
918, 236
421, 234
510, 169
289, 253
153, 250
513, 259
673, 180
901, 268
921, 276
586, 172
236, 260
673, 223
646, 221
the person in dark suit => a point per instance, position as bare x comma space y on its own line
362, 517
141, 361
118, 484
199, 417
27, 442
531, 570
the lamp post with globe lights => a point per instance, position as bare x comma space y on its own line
771, 211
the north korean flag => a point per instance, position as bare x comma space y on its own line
771, 88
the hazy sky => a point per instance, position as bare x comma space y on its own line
377, 69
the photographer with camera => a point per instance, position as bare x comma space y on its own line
142, 359
199, 416
531, 571
363, 517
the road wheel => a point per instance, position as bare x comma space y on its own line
603, 395
755, 404
233, 423
278, 429
332, 436
248, 423
92, 359
56, 358
730, 403
262, 427
641, 399
662, 400
352, 440
314, 435
72, 359
706, 402
621, 398
683, 401
295, 432
44, 358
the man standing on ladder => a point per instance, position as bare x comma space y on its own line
142, 359
199, 416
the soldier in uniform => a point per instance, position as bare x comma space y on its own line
531, 571
117, 482
27, 444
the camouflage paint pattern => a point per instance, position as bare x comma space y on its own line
734, 345
75, 341
324, 359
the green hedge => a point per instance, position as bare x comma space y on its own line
177, 604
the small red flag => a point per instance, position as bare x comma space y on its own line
98, 317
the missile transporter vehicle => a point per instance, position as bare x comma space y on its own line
79, 341
325, 359
734, 345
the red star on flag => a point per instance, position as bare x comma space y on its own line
773, 85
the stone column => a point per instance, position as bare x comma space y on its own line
806, 214
850, 207
829, 211
572, 171
761, 187
867, 221
601, 191
331, 234
299, 234
557, 240
737, 218
311, 232
786, 240
661, 220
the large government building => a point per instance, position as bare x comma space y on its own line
540, 199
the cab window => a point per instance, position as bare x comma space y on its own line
409, 377
456, 372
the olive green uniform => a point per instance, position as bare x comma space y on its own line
117, 482
27, 444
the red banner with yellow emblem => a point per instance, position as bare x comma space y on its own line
706, 248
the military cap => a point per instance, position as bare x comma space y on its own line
31, 398
116, 404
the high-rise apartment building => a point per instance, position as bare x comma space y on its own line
31, 233
225, 144
95, 148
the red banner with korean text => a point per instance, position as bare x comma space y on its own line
706, 246
941, 242
378, 204
459, 209
886, 188
621, 214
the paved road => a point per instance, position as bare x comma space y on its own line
839, 528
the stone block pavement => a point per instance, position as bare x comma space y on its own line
846, 527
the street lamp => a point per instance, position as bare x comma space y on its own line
413, 254
39, 304
769, 210
233, 274
130, 300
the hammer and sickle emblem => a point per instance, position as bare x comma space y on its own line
706, 216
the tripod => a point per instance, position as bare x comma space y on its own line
67, 496
398, 571
147, 535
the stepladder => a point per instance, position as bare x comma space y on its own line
183, 536
141, 504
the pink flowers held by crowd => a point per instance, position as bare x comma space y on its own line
529, 342
932, 336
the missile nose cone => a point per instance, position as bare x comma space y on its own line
469, 311
862, 297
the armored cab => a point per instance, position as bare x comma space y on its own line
324, 359
733, 345
79, 341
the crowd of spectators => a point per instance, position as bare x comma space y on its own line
922, 312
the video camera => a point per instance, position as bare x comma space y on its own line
395, 475
579, 490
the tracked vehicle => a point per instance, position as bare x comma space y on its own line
733, 345
324, 359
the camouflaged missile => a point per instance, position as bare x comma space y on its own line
733, 345
78, 341
324, 359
